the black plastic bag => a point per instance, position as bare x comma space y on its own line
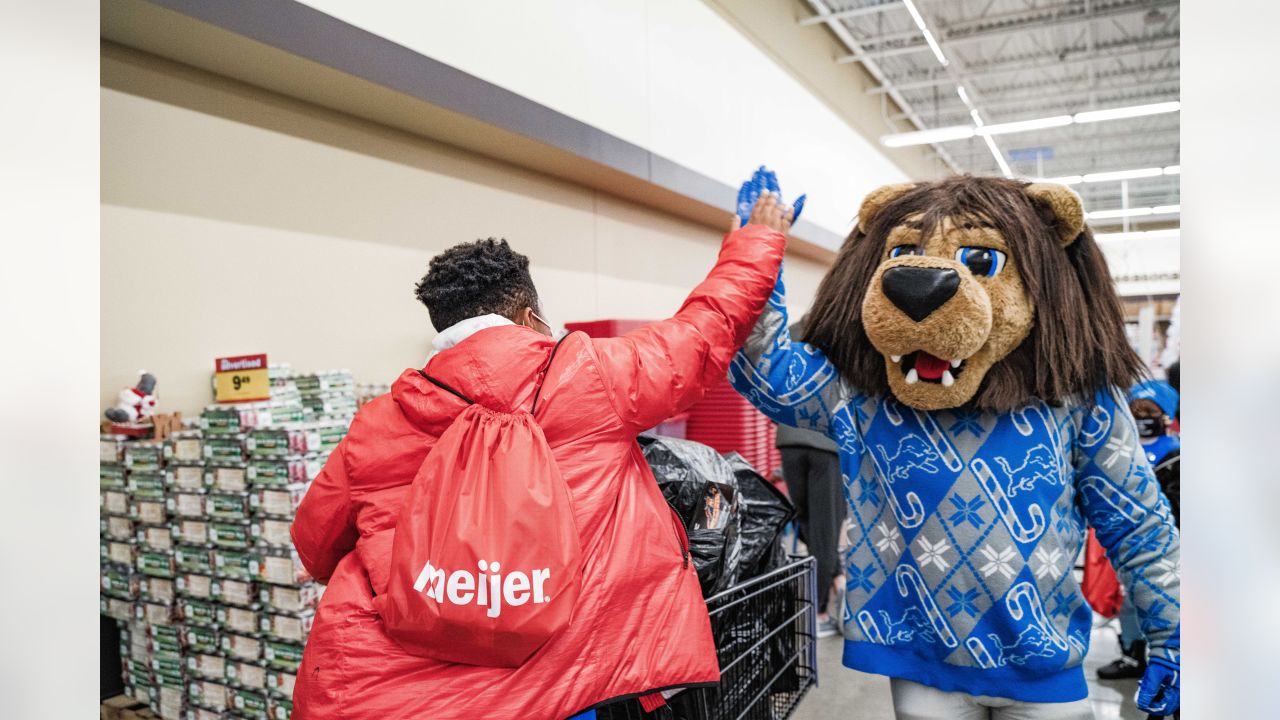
764, 511
703, 489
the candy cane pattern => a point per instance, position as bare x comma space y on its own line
891, 413
1024, 593
941, 443
980, 653
1095, 427
1101, 488
869, 627
908, 578
991, 485
908, 509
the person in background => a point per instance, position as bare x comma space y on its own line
640, 624
811, 469
1154, 404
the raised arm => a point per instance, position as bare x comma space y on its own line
662, 369
324, 529
791, 382
1122, 501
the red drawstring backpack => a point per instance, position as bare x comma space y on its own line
1100, 587
486, 564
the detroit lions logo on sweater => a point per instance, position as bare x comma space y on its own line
912, 453
1039, 465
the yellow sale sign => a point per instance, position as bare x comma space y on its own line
243, 378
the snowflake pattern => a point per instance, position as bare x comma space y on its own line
932, 554
858, 577
967, 511
966, 422
998, 561
1050, 563
1063, 601
890, 537
963, 601
1169, 571
867, 494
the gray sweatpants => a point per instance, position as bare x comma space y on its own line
913, 701
813, 481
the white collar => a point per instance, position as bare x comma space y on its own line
464, 329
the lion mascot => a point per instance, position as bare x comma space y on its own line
967, 354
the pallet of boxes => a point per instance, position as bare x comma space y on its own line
242, 602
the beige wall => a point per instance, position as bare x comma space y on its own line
270, 225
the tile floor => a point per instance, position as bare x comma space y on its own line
845, 694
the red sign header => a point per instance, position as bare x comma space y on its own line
242, 362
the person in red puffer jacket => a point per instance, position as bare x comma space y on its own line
640, 625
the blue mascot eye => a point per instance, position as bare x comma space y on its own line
984, 262
906, 250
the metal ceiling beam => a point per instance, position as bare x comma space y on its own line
852, 13
1014, 69
841, 32
1031, 105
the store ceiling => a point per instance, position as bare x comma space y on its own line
1020, 60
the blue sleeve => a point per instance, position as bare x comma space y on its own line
1123, 503
792, 383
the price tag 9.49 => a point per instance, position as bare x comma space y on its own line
243, 378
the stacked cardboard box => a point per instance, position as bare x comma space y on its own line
198, 563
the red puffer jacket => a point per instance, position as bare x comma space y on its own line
640, 624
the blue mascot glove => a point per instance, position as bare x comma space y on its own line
1158, 693
761, 181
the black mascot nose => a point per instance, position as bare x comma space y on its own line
918, 291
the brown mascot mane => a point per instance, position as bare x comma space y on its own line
1077, 345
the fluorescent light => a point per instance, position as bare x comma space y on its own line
1134, 212
1122, 175
1140, 235
1064, 180
926, 137
964, 96
928, 36
1131, 111
995, 152
1025, 125
977, 119
1173, 170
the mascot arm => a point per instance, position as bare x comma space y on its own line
792, 383
1121, 499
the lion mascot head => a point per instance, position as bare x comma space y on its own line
973, 291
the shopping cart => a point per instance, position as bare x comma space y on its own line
765, 631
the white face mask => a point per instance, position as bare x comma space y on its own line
556, 333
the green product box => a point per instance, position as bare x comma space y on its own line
281, 708
146, 484
220, 506
235, 592
283, 471
194, 559
224, 448
119, 552
207, 665
120, 582
149, 512
158, 590
227, 477
289, 628
190, 531
156, 564
281, 683
241, 647
236, 536
156, 537
114, 502
199, 613
208, 694
199, 587
223, 420
110, 449
112, 477
272, 532
277, 501
282, 655
248, 703
186, 504
251, 675
240, 620
144, 455
115, 527
202, 639
236, 564
292, 598
169, 667
276, 442
185, 477
185, 446
156, 614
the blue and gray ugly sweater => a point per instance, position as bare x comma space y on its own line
966, 525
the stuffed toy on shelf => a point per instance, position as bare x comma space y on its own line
135, 403
967, 354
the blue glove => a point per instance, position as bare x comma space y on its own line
1158, 693
762, 180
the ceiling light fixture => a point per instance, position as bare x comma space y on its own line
1123, 175
928, 36
999, 156
1134, 212
1090, 116
927, 137
1131, 111
1139, 235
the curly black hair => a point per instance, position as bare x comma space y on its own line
476, 278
